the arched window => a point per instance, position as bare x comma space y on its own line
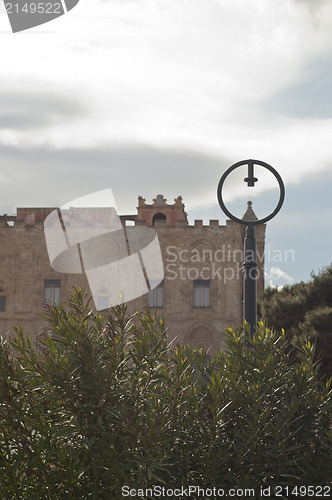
158, 216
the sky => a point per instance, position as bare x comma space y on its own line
162, 96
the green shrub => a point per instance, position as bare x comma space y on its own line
304, 310
106, 402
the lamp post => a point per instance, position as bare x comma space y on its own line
250, 264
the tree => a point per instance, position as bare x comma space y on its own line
304, 310
105, 402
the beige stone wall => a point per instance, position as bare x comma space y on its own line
24, 265
190, 252
203, 252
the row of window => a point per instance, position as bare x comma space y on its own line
155, 297
201, 294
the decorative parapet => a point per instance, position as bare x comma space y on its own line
160, 210
160, 202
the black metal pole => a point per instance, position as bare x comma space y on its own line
250, 279
250, 267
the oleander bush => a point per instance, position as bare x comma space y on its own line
105, 402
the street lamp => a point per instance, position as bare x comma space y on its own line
250, 264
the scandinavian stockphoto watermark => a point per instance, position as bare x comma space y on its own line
121, 263
224, 263
26, 14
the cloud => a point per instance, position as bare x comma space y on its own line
22, 109
50, 177
310, 96
276, 277
313, 4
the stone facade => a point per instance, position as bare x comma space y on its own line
201, 294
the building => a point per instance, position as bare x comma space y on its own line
201, 293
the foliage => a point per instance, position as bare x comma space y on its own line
106, 402
304, 310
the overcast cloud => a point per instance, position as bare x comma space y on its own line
22, 110
310, 96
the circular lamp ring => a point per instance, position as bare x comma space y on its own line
251, 182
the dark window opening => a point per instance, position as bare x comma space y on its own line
158, 216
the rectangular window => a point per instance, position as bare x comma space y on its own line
201, 293
156, 296
2, 304
52, 292
102, 302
